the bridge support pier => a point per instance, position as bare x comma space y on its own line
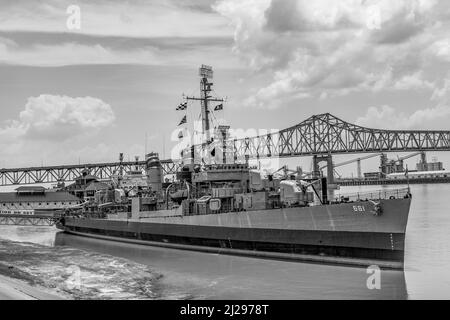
317, 159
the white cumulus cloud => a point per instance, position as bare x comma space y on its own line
60, 117
386, 117
53, 126
436, 116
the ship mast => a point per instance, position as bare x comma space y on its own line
205, 73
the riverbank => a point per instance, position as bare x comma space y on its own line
14, 289
71, 273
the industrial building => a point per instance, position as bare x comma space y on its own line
36, 198
430, 166
389, 166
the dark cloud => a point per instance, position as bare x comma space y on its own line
26, 39
282, 16
288, 16
325, 48
400, 28
195, 5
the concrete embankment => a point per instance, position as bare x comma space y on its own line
13, 289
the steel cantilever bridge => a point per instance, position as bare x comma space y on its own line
320, 136
326, 134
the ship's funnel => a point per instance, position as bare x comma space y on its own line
154, 171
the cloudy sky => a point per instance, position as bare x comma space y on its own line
70, 95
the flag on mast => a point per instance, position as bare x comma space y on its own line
182, 106
218, 107
183, 121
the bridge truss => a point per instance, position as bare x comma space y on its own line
318, 135
51, 174
327, 134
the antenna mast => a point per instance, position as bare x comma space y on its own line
205, 73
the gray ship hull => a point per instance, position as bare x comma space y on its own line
348, 233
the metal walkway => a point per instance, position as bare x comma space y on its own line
16, 220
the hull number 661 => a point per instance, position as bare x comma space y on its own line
359, 209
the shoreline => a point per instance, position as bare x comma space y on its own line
15, 289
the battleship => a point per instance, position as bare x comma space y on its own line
221, 205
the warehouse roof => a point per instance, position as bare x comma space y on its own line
30, 188
49, 196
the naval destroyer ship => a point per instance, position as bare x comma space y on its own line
224, 206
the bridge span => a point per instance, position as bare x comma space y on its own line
320, 136
65, 173
327, 134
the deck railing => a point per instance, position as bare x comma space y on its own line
373, 195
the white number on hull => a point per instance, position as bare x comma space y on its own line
359, 209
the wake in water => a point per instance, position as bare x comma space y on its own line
79, 274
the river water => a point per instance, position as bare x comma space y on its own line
108, 270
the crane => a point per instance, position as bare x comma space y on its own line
409, 156
357, 160
284, 172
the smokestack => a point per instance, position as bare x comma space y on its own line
154, 171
